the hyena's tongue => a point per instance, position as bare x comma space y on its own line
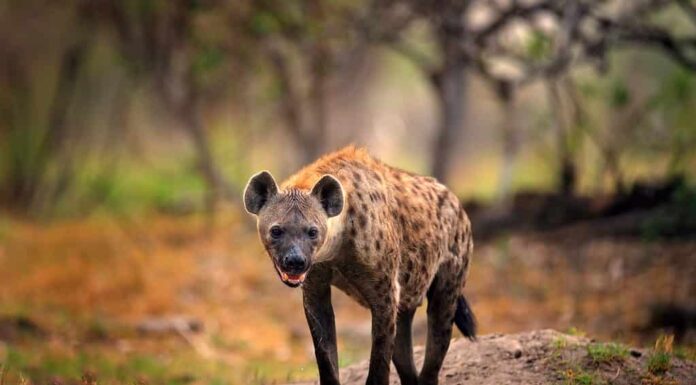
293, 278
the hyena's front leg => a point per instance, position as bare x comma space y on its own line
320, 317
383, 311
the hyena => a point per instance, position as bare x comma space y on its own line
386, 237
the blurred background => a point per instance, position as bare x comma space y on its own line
128, 129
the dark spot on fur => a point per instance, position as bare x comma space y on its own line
454, 249
362, 220
441, 199
378, 245
402, 220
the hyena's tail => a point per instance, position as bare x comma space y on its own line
464, 318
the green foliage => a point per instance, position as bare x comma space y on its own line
539, 46
600, 353
208, 59
676, 219
679, 87
620, 95
264, 23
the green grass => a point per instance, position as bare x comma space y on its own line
39, 366
685, 353
604, 353
574, 331
581, 377
560, 343
585, 379
659, 362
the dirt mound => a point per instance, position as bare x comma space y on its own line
545, 357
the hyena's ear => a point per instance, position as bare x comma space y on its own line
330, 193
259, 190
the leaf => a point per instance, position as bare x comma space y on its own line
620, 95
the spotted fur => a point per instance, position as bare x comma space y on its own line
399, 238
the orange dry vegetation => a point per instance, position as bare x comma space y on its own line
121, 271
114, 272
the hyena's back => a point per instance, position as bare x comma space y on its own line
396, 220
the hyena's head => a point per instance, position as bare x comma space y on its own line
292, 223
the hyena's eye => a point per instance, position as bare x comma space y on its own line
276, 232
312, 232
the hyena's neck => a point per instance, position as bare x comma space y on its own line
334, 239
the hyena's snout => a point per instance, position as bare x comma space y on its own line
293, 266
294, 262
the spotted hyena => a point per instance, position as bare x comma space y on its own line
386, 237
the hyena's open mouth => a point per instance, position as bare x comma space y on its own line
292, 280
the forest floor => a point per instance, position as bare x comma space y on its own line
182, 300
544, 357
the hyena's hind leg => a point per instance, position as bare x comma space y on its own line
444, 304
403, 348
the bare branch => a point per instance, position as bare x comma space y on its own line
680, 49
516, 11
689, 8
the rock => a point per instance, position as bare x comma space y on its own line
170, 324
494, 360
14, 327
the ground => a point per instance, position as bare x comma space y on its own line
186, 300
541, 357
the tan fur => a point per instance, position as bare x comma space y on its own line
386, 237
396, 221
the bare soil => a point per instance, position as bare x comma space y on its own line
538, 357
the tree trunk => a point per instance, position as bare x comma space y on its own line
40, 194
318, 104
290, 98
304, 113
510, 138
449, 84
319, 64
567, 173
180, 93
206, 163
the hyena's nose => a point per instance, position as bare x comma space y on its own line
294, 263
